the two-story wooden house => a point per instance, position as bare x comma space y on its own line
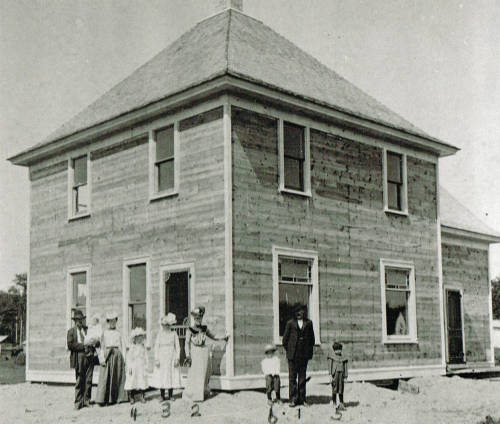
236, 171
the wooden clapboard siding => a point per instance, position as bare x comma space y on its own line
465, 266
344, 222
124, 224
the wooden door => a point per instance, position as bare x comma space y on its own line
177, 302
454, 327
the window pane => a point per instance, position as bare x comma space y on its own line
294, 174
80, 198
164, 143
396, 278
293, 140
294, 270
137, 283
166, 175
138, 316
290, 296
79, 290
397, 312
394, 196
394, 173
80, 170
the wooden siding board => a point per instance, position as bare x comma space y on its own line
345, 223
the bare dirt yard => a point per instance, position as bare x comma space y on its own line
440, 400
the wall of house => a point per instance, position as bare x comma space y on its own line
345, 223
465, 266
124, 224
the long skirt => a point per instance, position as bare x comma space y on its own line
338, 382
110, 388
198, 375
166, 376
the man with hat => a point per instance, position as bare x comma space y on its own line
83, 364
298, 341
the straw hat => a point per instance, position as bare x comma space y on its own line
136, 332
77, 314
270, 348
111, 316
169, 319
198, 311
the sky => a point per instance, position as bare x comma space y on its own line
436, 63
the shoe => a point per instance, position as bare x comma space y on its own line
341, 407
77, 406
143, 400
307, 404
132, 400
86, 404
269, 402
293, 404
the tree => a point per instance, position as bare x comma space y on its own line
495, 297
13, 309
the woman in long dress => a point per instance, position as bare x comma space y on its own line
110, 389
198, 354
167, 351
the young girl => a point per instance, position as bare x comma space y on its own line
110, 389
166, 374
93, 337
338, 373
136, 365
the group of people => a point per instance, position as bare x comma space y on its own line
298, 342
123, 372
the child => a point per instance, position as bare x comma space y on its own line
136, 365
93, 337
110, 389
338, 373
271, 368
166, 374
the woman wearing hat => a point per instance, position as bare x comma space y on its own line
110, 389
167, 350
198, 354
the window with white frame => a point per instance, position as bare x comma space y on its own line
137, 296
164, 161
399, 323
80, 188
78, 293
395, 190
295, 275
294, 158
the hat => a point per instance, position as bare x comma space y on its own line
111, 315
299, 307
77, 314
168, 319
337, 346
136, 332
198, 311
270, 348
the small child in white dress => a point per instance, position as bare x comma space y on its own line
271, 369
93, 337
167, 352
136, 363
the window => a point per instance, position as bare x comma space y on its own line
80, 188
77, 292
164, 161
395, 182
295, 275
294, 158
398, 302
136, 294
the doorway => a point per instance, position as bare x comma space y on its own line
454, 326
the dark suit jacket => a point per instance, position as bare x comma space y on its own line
74, 347
290, 337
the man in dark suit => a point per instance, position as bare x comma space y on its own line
298, 341
82, 362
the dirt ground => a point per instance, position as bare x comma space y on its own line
10, 373
441, 400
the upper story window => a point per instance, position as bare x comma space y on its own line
395, 187
79, 177
294, 158
398, 302
164, 162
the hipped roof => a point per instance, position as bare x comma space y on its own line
455, 215
232, 43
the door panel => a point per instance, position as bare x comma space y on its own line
454, 323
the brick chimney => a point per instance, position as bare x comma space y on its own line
229, 4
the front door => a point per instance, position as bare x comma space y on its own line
177, 302
454, 327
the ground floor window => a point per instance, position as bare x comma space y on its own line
398, 301
77, 292
295, 282
136, 292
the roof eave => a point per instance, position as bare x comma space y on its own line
472, 235
238, 83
